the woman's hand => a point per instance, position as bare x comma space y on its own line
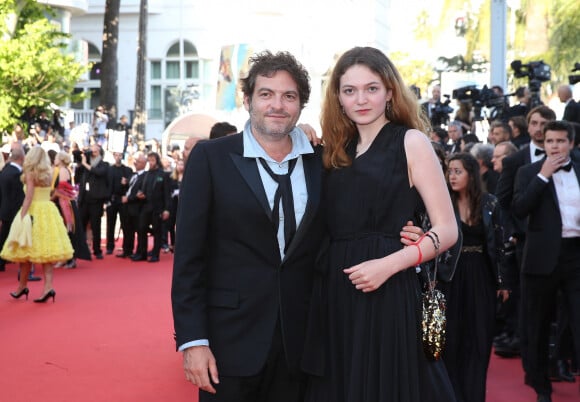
369, 275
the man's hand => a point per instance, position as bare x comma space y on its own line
410, 233
503, 294
551, 164
199, 364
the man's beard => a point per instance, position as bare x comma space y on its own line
273, 131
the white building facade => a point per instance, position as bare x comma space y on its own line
186, 38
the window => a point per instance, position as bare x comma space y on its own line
91, 87
175, 80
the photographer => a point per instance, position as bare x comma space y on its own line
523, 106
437, 111
94, 191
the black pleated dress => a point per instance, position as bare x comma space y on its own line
372, 342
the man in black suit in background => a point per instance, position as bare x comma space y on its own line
572, 108
132, 207
533, 152
156, 196
547, 192
11, 194
244, 261
119, 176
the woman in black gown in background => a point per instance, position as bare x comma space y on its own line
471, 295
366, 304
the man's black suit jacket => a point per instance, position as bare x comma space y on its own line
11, 192
135, 204
537, 200
572, 112
157, 189
229, 283
505, 183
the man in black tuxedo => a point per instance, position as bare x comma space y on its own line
119, 176
156, 196
547, 192
244, 261
534, 151
11, 194
132, 207
572, 108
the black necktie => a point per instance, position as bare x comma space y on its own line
567, 167
284, 192
539, 152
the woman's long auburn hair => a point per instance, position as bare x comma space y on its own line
338, 130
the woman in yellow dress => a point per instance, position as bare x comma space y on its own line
37, 235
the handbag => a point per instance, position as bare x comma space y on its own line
433, 316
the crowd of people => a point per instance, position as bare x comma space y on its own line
83, 181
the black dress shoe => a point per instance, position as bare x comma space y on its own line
123, 255
138, 257
560, 371
508, 348
99, 256
153, 259
109, 251
544, 398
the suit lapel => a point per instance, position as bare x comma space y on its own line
313, 176
249, 171
576, 167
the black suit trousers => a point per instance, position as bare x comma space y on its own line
129, 225
273, 383
91, 212
539, 296
149, 219
114, 209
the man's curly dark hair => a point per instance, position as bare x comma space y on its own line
266, 64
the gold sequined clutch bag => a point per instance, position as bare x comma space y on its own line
433, 319
433, 323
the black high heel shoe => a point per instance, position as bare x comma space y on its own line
22, 292
47, 295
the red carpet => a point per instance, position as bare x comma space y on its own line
109, 337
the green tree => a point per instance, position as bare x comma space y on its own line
564, 34
414, 72
34, 69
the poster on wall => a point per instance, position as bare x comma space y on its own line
233, 65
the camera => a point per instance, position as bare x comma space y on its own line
441, 111
537, 72
88, 155
480, 98
574, 78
